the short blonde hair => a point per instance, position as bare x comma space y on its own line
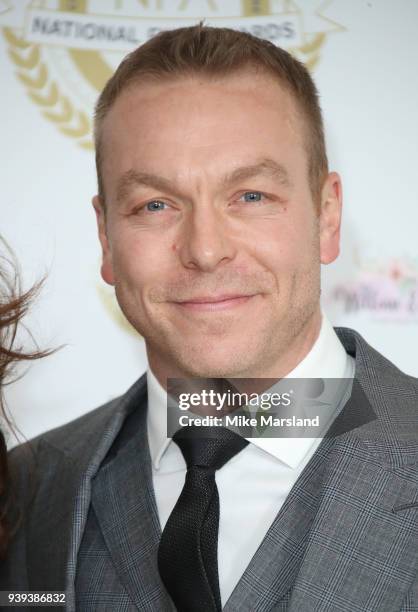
216, 52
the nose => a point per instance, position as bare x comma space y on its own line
206, 241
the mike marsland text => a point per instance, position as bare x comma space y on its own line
241, 420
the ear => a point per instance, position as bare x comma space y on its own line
330, 218
107, 266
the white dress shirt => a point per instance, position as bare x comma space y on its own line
254, 484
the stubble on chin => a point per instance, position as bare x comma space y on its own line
204, 348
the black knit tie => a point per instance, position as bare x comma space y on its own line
188, 551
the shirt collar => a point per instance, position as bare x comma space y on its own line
326, 359
157, 419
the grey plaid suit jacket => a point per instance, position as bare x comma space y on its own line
346, 538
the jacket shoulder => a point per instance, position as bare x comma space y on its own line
392, 394
371, 362
80, 435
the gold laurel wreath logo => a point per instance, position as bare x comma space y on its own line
45, 92
59, 109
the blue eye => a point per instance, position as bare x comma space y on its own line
252, 196
155, 206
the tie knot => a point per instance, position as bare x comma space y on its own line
209, 447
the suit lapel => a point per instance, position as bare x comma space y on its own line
273, 569
361, 549
346, 536
66, 466
64, 488
124, 504
106, 465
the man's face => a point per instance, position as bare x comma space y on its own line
211, 237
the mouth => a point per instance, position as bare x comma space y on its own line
214, 303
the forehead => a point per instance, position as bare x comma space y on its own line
248, 92
192, 120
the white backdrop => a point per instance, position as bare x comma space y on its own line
363, 56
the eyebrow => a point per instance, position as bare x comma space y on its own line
265, 167
134, 178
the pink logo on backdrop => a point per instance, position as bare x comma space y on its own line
387, 290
